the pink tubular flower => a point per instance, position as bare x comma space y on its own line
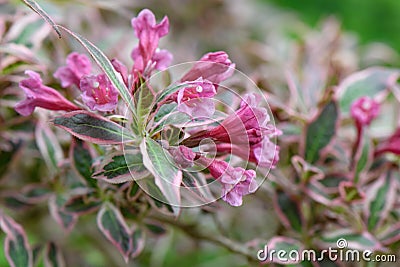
364, 110
246, 126
195, 98
214, 67
146, 55
236, 182
78, 65
39, 95
98, 93
245, 133
264, 154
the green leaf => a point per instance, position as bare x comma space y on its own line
81, 204
138, 239
155, 228
167, 176
93, 128
288, 211
53, 256
35, 193
49, 146
113, 226
16, 247
105, 64
120, 167
383, 196
368, 82
66, 220
320, 132
363, 157
143, 101
169, 91
81, 160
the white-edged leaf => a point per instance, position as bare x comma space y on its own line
114, 228
16, 246
167, 176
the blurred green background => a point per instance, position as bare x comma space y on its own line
372, 20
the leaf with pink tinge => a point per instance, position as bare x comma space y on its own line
48, 145
120, 167
288, 211
81, 160
371, 82
93, 128
306, 171
114, 228
320, 132
381, 200
167, 176
66, 220
391, 235
363, 157
53, 256
16, 247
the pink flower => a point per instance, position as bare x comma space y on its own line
98, 93
39, 95
78, 65
246, 126
364, 110
146, 55
246, 133
121, 69
236, 182
264, 154
391, 145
195, 98
214, 67
183, 156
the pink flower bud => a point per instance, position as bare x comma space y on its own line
364, 110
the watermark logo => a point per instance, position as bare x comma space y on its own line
339, 253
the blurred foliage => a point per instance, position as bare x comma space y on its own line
298, 68
372, 21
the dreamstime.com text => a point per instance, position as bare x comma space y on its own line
340, 253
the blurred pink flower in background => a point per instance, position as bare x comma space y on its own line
78, 65
391, 145
39, 95
364, 110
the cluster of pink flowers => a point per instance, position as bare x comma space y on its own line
246, 133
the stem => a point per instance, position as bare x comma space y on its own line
192, 231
